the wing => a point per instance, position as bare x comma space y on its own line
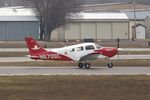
91, 56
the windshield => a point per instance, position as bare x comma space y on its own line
98, 46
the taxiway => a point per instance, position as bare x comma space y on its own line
73, 70
123, 57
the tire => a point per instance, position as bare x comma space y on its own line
80, 65
110, 65
87, 65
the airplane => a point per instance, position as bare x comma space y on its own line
81, 53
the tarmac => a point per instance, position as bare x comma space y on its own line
121, 57
72, 70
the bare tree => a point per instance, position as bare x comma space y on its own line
53, 13
2, 3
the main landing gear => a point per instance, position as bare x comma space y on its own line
110, 65
86, 65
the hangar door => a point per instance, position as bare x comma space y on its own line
88, 30
72, 31
18, 30
120, 30
104, 30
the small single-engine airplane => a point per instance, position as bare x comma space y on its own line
81, 53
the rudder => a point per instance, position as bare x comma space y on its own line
33, 46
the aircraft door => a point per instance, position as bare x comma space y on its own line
76, 53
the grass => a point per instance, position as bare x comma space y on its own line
134, 52
113, 43
13, 54
75, 88
116, 63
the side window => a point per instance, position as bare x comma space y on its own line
72, 50
90, 47
80, 48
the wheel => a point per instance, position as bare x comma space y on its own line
87, 65
110, 65
80, 65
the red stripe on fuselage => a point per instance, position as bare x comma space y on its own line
53, 56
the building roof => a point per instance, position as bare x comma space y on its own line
138, 25
101, 16
17, 14
120, 6
27, 14
140, 15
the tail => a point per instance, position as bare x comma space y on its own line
33, 46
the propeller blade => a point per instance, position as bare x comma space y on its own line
118, 54
120, 49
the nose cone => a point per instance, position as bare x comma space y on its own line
108, 51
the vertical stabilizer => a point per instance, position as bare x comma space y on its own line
33, 46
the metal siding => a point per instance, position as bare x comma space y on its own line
147, 23
88, 31
58, 34
120, 30
104, 30
18, 30
72, 31
2, 30
140, 32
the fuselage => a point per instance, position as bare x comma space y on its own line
76, 52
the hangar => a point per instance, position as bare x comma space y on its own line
16, 23
105, 21
95, 26
102, 25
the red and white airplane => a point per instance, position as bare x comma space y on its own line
81, 53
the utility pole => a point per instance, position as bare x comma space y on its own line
12, 3
134, 35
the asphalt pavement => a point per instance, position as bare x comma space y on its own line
22, 59
12, 71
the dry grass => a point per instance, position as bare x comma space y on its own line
120, 63
134, 52
75, 88
13, 54
113, 43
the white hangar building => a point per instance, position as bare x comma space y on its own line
95, 26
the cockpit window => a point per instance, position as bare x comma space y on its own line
80, 49
72, 50
98, 46
90, 47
